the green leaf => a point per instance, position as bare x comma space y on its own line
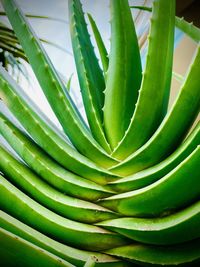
13, 50
100, 44
32, 16
26, 253
124, 73
185, 254
173, 128
68, 85
5, 32
90, 262
145, 8
152, 103
90, 75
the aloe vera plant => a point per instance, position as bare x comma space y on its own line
122, 190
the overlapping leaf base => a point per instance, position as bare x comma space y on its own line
125, 191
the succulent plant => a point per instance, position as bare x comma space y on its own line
122, 190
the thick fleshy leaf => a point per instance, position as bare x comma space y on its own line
90, 75
124, 73
172, 130
152, 102
100, 44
